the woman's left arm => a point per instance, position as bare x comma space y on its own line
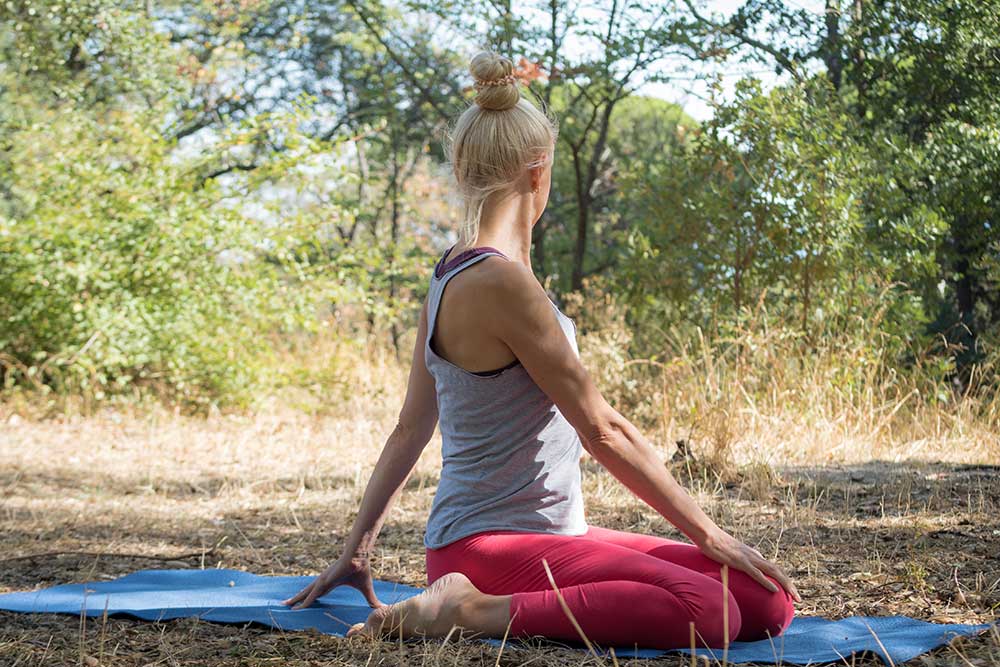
523, 319
619, 446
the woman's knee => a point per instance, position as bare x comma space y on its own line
715, 615
719, 621
765, 614
702, 601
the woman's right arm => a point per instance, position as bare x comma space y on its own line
414, 428
522, 317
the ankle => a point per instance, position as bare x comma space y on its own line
466, 608
484, 613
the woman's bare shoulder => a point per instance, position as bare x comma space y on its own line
506, 294
506, 287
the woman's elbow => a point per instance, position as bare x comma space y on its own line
419, 428
603, 433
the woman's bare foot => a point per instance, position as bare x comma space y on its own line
450, 601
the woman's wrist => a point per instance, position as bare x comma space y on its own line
362, 552
708, 536
363, 548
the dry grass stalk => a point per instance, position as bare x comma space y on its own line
725, 614
567, 611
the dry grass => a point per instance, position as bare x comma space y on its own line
875, 506
766, 394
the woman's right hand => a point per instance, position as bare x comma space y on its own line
725, 549
354, 572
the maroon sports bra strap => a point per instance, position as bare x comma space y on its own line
445, 265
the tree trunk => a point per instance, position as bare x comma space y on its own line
538, 245
858, 56
394, 236
833, 49
541, 227
585, 187
582, 221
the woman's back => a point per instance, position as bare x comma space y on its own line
459, 335
510, 458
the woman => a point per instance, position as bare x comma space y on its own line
497, 363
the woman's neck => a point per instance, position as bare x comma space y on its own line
506, 225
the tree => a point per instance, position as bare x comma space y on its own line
923, 80
124, 265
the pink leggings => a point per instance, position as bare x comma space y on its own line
624, 589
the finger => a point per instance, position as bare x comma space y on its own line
787, 583
298, 596
369, 592
776, 572
311, 594
754, 572
321, 587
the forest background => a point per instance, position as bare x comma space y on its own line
223, 205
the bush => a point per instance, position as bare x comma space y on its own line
119, 270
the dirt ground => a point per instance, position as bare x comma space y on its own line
98, 498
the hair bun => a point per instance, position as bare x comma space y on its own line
495, 81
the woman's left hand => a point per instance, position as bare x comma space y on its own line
726, 549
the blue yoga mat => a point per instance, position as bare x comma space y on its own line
231, 596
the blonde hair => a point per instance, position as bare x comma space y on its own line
497, 137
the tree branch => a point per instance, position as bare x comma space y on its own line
731, 30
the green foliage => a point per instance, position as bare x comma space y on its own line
124, 264
780, 204
175, 189
118, 269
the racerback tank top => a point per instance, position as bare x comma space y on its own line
510, 460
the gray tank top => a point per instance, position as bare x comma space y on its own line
511, 461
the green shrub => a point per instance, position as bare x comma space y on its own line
119, 270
